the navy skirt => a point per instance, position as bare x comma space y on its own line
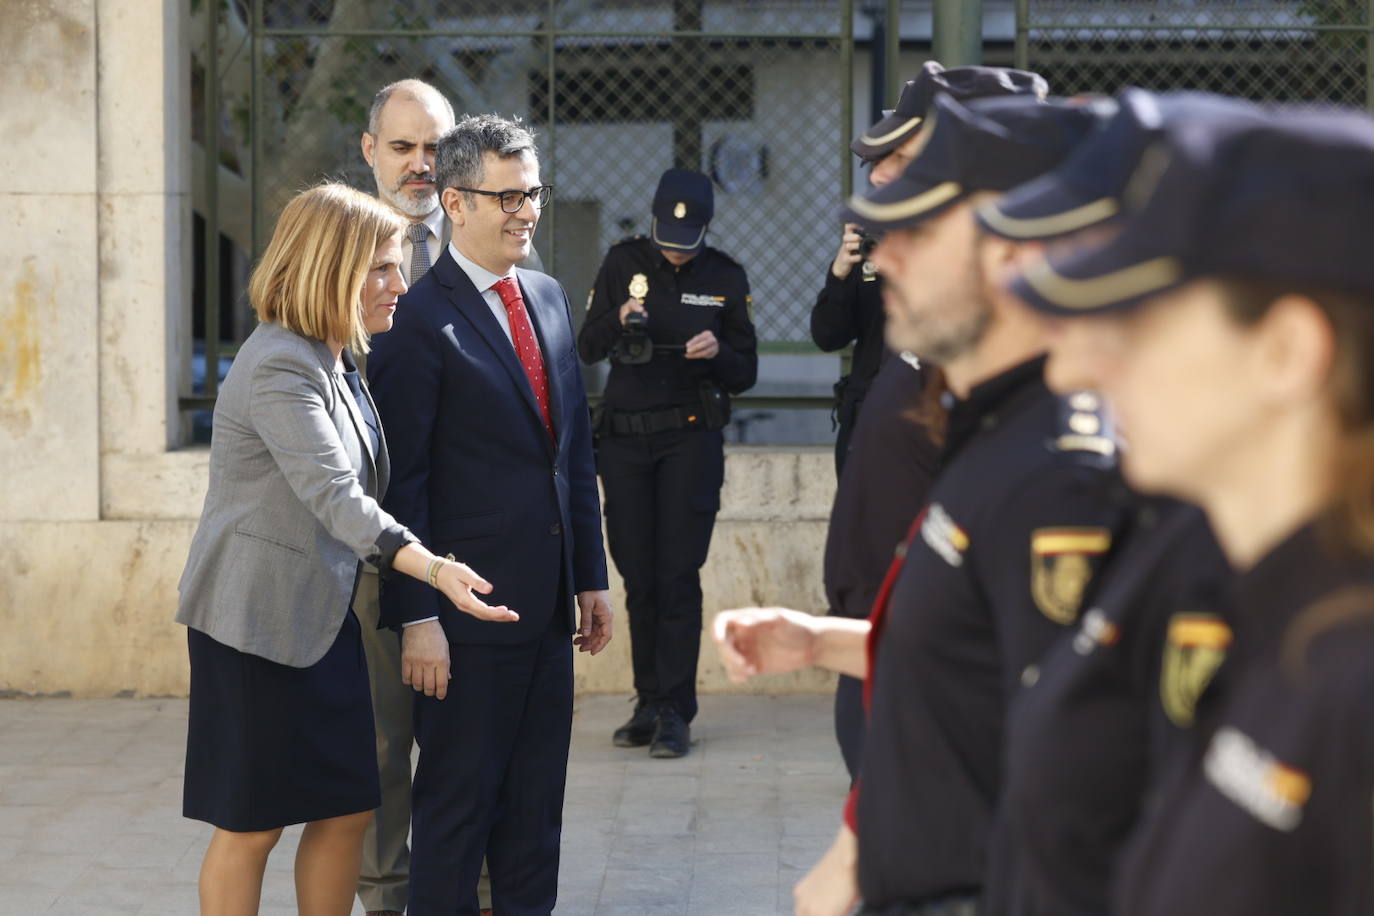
270, 745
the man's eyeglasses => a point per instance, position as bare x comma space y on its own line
512, 201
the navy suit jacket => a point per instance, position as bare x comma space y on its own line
473, 471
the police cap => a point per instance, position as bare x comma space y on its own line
980, 145
1284, 200
683, 205
1087, 188
901, 123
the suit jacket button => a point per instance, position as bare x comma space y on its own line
555, 528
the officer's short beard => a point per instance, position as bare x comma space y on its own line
944, 338
960, 337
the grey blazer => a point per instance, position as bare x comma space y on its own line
286, 518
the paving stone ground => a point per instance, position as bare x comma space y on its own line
90, 802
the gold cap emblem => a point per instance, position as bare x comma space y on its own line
639, 286
680, 210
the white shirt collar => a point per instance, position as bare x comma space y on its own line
481, 278
435, 222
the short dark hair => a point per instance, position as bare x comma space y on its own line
458, 160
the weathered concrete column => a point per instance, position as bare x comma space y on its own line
49, 295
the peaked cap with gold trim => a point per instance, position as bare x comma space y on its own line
683, 206
1087, 189
901, 123
981, 145
1281, 199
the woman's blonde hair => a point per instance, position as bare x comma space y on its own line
311, 275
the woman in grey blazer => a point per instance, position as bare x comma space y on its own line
281, 728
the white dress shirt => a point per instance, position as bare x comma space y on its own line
484, 279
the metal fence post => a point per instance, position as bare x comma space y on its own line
688, 114
892, 54
957, 32
255, 129
551, 26
1369, 57
211, 215
847, 99
1021, 51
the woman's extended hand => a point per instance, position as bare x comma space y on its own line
458, 582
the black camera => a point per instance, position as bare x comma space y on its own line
633, 347
866, 245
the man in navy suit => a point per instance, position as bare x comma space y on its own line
480, 392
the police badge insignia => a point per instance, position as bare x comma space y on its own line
680, 210
1061, 567
870, 272
639, 286
1195, 646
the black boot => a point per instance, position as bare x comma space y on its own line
672, 735
639, 730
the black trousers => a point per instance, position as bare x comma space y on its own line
492, 771
662, 495
851, 722
948, 906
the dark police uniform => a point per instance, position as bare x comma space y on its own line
851, 311
1023, 512
1269, 810
1096, 718
660, 462
880, 491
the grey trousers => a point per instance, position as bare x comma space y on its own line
384, 881
385, 876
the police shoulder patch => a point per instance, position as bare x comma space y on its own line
1062, 567
1084, 425
1194, 647
942, 535
1252, 777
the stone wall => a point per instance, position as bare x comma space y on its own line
87, 605
96, 508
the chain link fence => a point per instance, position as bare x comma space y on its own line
1314, 51
755, 94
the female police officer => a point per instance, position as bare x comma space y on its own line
673, 315
1231, 324
1102, 709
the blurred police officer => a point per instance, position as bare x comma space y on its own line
849, 307
1087, 735
893, 452
673, 315
1230, 319
995, 567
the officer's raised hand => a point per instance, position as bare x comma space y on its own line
770, 640
775, 640
848, 254
702, 346
632, 305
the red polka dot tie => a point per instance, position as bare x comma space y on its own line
526, 346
